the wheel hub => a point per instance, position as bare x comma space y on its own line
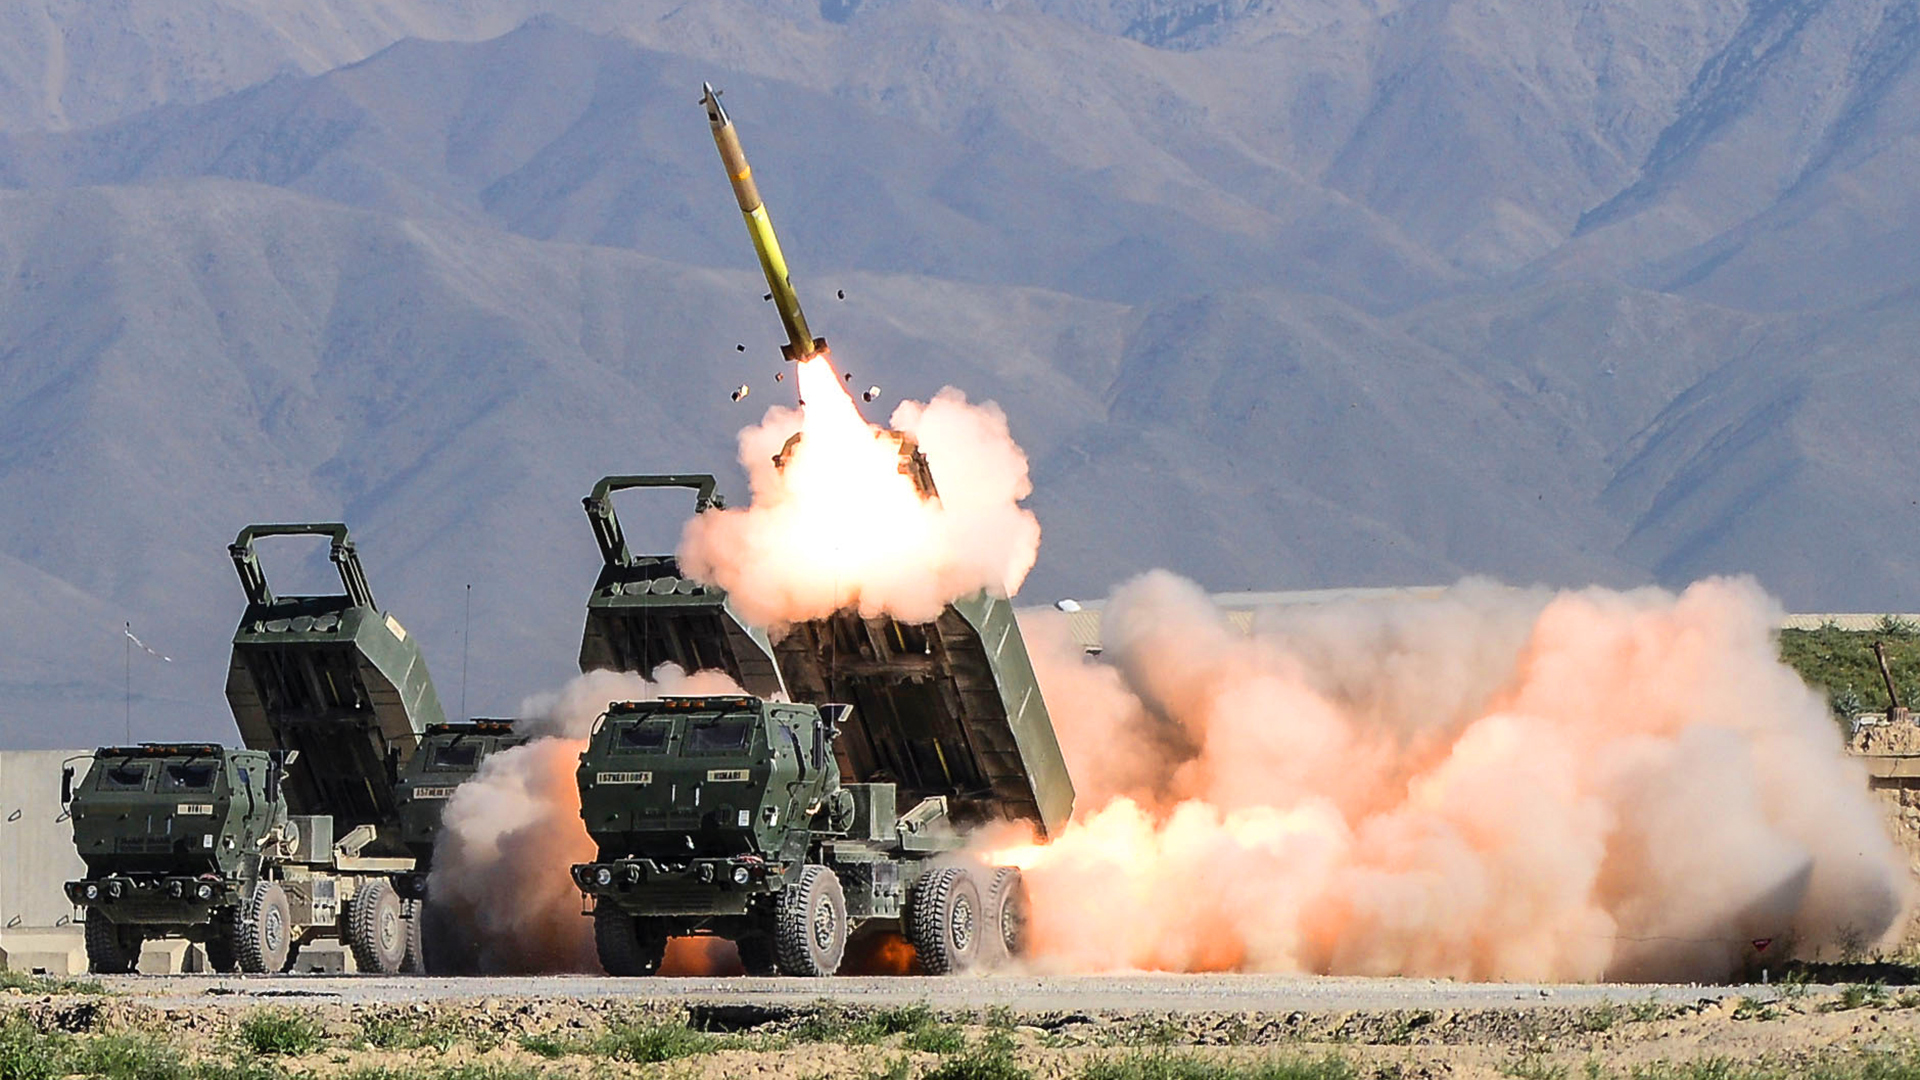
823, 926
962, 923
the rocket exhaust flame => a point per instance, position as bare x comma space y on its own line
844, 517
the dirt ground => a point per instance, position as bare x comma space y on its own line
1788, 1029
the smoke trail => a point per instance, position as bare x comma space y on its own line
1494, 784
841, 525
510, 835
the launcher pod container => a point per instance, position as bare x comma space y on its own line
643, 613
258, 852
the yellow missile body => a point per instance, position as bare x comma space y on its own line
800, 341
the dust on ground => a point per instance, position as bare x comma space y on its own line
1783, 1030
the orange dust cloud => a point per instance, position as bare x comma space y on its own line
1494, 784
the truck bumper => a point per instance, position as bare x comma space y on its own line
695, 887
126, 898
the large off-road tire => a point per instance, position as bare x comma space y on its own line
266, 930
415, 912
377, 928
223, 944
112, 949
1004, 932
810, 924
944, 919
756, 955
627, 946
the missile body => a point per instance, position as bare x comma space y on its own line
800, 341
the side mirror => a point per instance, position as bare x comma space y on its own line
276, 765
66, 785
832, 717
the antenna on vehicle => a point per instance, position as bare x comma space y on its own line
466, 641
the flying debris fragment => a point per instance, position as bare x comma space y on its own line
740, 348
871, 393
779, 376
801, 343
740, 391
841, 293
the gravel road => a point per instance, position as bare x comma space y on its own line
1138, 993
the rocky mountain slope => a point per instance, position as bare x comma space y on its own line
1277, 293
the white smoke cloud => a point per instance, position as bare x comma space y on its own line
1492, 784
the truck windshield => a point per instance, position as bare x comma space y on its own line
721, 734
126, 776
647, 736
455, 756
192, 776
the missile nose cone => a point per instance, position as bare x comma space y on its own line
716, 112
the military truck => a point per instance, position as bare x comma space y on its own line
449, 755
258, 852
773, 818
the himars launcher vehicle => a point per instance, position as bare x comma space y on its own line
256, 852
776, 823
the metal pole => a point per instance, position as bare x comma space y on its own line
129, 645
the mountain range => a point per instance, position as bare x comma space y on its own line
1275, 293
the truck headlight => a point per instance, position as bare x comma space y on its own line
93, 892
113, 889
204, 892
740, 875
603, 876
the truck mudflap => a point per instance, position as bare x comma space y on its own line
722, 886
170, 899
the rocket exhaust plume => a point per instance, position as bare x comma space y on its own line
839, 524
1496, 784
509, 835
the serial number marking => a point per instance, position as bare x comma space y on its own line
623, 778
727, 776
433, 793
196, 809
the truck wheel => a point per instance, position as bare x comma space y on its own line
943, 921
266, 930
415, 912
756, 955
627, 946
376, 928
1006, 914
810, 925
223, 945
111, 949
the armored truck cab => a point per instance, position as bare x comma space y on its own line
170, 834
726, 816
449, 755
643, 613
